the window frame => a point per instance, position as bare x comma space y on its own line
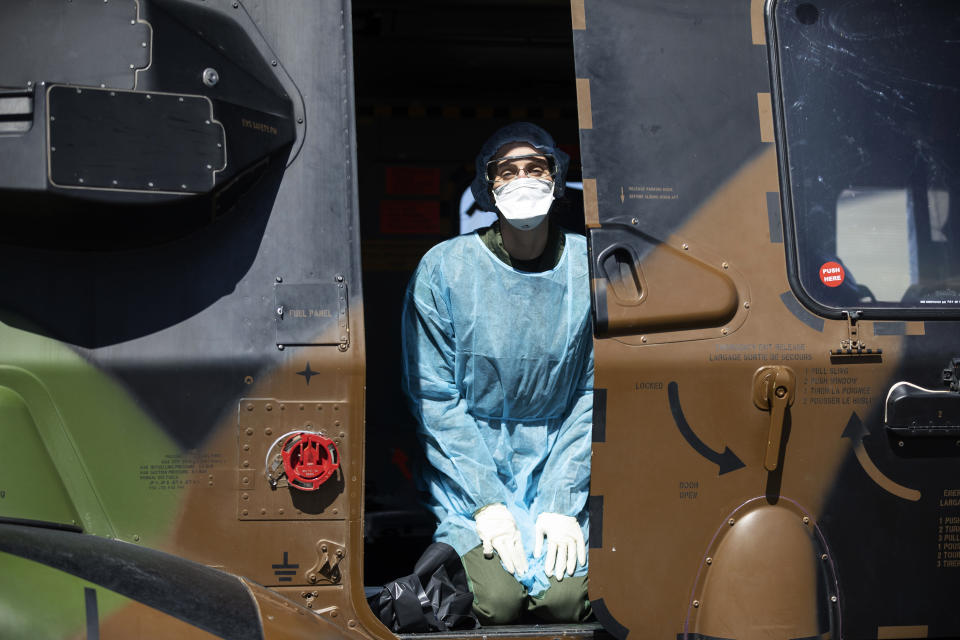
788, 217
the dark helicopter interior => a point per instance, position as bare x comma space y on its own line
433, 80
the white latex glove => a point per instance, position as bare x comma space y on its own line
498, 532
565, 548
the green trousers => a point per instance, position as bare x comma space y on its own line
499, 599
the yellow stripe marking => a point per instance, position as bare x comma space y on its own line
892, 487
591, 208
765, 112
756, 22
894, 633
584, 113
579, 14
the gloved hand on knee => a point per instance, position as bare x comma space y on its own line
565, 547
498, 532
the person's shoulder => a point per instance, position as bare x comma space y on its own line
454, 249
576, 243
575, 240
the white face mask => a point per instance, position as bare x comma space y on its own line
524, 202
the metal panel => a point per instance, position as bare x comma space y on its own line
131, 140
311, 314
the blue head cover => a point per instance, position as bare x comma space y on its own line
521, 132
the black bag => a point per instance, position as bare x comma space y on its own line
435, 597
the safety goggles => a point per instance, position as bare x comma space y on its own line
532, 165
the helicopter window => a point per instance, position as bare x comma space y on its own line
869, 128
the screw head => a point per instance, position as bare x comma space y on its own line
781, 392
685, 246
709, 560
833, 598
210, 77
725, 265
823, 556
746, 305
806, 520
731, 522
634, 221
696, 604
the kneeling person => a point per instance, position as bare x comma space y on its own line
498, 366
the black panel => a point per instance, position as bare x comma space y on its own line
133, 141
599, 415
311, 313
804, 316
113, 151
595, 507
773, 216
892, 328
636, 53
203, 597
57, 37
610, 624
93, 613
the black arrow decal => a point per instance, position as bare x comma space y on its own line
855, 429
726, 461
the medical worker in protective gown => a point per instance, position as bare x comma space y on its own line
498, 366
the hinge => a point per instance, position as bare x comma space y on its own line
853, 345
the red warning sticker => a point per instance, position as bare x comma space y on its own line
831, 274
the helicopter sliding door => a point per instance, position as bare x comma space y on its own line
768, 191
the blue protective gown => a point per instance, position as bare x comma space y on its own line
498, 366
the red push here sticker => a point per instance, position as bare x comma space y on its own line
831, 274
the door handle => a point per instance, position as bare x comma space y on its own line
773, 389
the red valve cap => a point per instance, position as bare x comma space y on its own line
309, 459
